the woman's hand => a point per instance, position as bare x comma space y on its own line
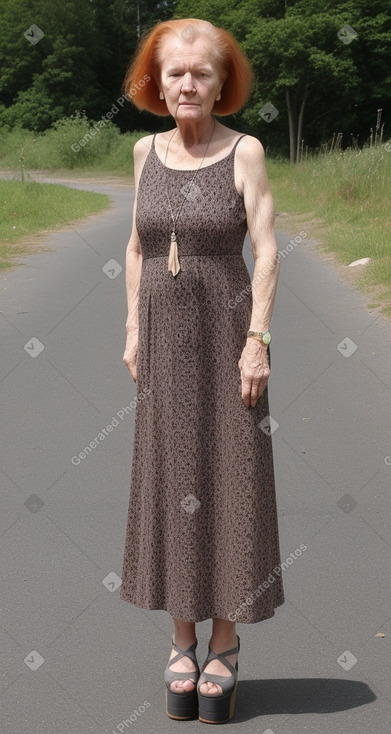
130, 354
255, 370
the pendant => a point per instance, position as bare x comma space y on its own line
173, 261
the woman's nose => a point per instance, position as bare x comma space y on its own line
187, 82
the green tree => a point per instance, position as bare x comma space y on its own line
319, 79
78, 65
120, 25
306, 56
40, 82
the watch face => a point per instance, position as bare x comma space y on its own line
267, 337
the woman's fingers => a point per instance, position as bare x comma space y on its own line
255, 370
133, 371
131, 363
130, 354
252, 390
253, 386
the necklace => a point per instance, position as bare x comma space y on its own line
173, 261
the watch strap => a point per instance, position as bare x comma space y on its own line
260, 336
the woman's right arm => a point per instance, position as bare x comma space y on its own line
133, 266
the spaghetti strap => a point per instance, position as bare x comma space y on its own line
239, 138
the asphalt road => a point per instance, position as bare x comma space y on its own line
77, 659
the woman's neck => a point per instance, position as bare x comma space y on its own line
190, 134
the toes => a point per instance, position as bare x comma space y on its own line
180, 686
188, 685
210, 688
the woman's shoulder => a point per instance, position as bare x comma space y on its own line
143, 145
250, 167
141, 149
249, 147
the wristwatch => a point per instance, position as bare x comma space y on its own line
262, 336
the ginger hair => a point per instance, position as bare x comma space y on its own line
140, 83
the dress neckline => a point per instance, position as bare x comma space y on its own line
191, 170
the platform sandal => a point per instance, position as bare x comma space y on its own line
182, 706
217, 708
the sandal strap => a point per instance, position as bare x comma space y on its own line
224, 681
171, 676
222, 657
225, 662
190, 653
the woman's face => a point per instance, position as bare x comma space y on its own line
190, 77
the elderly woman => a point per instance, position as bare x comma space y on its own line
202, 535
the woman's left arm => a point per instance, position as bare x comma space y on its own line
251, 171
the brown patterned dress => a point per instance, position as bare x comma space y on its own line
202, 535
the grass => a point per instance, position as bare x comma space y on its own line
29, 208
344, 197
74, 143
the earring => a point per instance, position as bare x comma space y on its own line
161, 95
218, 97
